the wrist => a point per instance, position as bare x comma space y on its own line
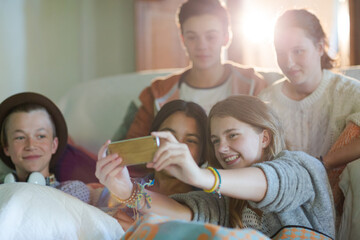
204, 179
217, 182
129, 197
322, 160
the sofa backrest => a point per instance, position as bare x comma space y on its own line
94, 110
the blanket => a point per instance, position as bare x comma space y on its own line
30, 211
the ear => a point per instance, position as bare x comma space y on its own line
55, 145
181, 38
321, 47
227, 39
266, 138
182, 41
6, 151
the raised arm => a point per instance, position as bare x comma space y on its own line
343, 156
345, 149
246, 183
118, 181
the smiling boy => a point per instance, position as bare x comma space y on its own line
33, 137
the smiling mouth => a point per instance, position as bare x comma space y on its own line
31, 157
231, 158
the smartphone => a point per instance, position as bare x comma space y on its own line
136, 150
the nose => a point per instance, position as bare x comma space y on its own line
290, 61
201, 42
223, 146
30, 143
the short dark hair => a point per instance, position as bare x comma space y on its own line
27, 108
190, 109
193, 8
304, 19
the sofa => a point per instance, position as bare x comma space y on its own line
95, 110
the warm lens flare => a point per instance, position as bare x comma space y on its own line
257, 25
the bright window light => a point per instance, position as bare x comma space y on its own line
257, 24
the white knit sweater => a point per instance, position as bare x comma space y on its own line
314, 123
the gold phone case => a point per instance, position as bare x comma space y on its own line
136, 150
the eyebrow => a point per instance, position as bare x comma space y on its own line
173, 131
18, 131
209, 31
22, 131
226, 131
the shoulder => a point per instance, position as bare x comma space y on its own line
160, 86
257, 80
248, 72
292, 161
273, 92
75, 188
299, 157
243, 69
340, 81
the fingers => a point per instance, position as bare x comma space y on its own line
108, 165
170, 153
166, 135
102, 151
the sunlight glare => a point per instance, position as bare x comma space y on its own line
257, 25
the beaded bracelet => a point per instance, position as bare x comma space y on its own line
132, 197
217, 184
137, 194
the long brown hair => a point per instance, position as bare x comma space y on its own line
190, 109
307, 21
259, 115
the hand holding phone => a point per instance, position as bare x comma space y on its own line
136, 150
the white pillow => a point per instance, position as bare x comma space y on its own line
29, 211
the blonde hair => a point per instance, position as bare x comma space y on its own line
260, 116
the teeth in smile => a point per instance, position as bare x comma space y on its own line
232, 158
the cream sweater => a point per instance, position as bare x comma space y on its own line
314, 123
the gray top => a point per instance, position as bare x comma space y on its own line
298, 194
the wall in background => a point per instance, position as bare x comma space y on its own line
253, 22
159, 46
49, 46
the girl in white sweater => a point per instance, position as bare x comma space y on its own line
314, 104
